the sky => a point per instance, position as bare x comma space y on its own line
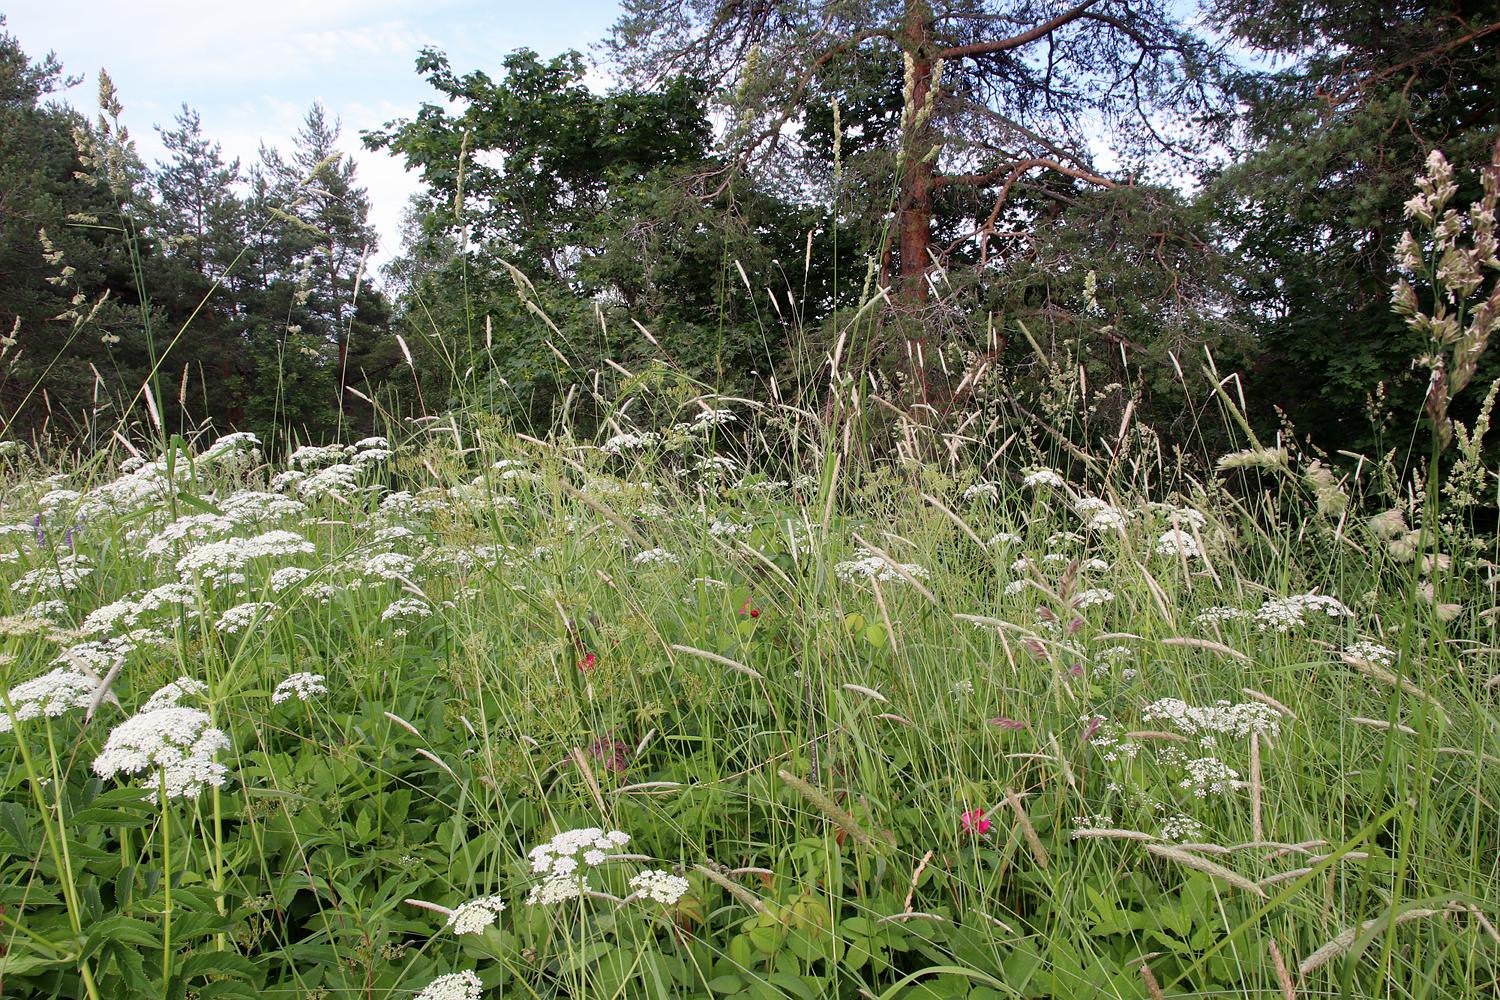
252, 69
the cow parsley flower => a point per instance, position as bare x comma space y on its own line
1177, 543
1043, 477
453, 986
477, 914
176, 744
1283, 614
659, 886
303, 686
50, 695
655, 557
170, 695
1238, 721
869, 565
1181, 827
406, 607
1371, 652
1208, 775
243, 616
1089, 598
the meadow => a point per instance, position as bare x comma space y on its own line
460, 713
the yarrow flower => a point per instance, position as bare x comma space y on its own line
453, 986
50, 695
175, 742
477, 914
659, 886
302, 686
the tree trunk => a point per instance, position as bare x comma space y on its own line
914, 219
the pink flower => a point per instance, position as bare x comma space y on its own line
587, 663
975, 822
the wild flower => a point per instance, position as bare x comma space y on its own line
627, 441
1178, 544
1181, 828
387, 567
66, 575
51, 695
303, 686
477, 914
1099, 515
223, 562
1208, 776
713, 418
1094, 596
1238, 721
975, 822
309, 455
453, 986
1372, 652
175, 744
659, 886
406, 607
561, 854
1043, 477
655, 557
1003, 538
982, 491
171, 694
243, 616
868, 565
1219, 613
1283, 614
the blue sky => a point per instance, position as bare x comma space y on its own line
252, 69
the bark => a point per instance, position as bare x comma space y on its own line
914, 219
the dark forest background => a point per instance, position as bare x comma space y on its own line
758, 172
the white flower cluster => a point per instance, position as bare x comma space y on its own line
712, 418
1178, 544
50, 695
1181, 827
303, 686
243, 616
171, 695
1043, 477
1099, 515
627, 441
1208, 775
1089, 598
475, 915
223, 562
406, 607
1219, 613
453, 986
177, 742
563, 861
867, 565
982, 491
655, 557
1283, 614
67, 574
1238, 721
659, 886
1371, 652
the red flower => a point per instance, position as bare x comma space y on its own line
975, 822
587, 663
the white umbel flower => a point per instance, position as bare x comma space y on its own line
454, 986
477, 914
659, 886
49, 695
178, 743
303, 686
